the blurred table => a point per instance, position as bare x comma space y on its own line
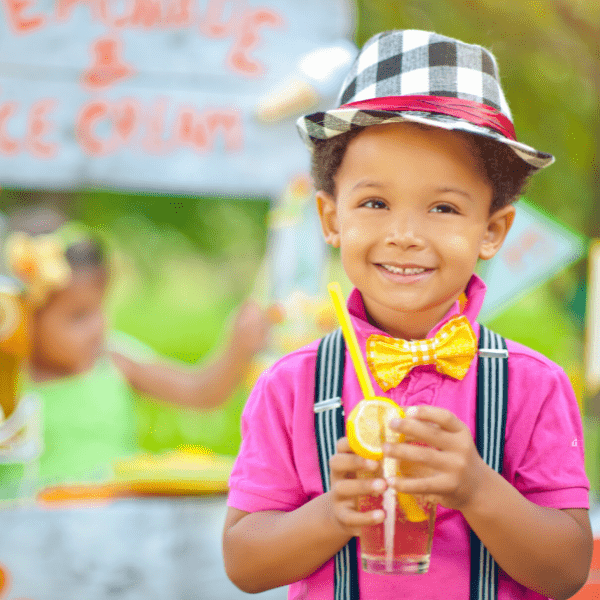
157, 548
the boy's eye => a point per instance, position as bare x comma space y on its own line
444, 208
373, 203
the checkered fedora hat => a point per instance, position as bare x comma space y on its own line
423, 77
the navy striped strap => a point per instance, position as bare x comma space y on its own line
329, 427
492, 394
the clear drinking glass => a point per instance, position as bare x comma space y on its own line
401, 544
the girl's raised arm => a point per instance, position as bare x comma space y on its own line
208, 385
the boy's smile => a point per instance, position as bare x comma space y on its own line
411, 217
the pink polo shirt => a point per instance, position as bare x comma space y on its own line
278, 469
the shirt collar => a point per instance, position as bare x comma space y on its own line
475, 293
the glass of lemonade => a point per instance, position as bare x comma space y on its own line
401, 544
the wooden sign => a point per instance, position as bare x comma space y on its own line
156, 95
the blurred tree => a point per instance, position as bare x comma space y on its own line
549, 58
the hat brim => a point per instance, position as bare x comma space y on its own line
326, 125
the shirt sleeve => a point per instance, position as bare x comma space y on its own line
545, 435
264, 476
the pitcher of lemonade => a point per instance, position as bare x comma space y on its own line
14, 342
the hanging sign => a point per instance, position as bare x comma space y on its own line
159, 95
536, 248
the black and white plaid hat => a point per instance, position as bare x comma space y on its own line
423, 77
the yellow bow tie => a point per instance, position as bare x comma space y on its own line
451, 350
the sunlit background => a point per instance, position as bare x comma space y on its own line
191, 259
182, 262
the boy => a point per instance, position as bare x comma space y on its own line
416, 173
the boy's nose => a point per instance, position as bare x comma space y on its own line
404, 231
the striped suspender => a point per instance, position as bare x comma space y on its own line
492, 392
329, 427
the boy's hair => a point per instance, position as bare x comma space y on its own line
506, 172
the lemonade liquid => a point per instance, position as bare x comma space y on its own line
411, 545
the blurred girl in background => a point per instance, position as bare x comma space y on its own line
84, 375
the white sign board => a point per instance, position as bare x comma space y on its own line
536, 248
158, 95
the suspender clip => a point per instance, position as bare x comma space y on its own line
330, 404
493, 353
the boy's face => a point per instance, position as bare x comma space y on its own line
69, 331
411, 217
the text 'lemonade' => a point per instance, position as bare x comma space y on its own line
401, 544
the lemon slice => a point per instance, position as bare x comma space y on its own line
414, 513
367, 426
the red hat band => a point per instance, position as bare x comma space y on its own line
468, 110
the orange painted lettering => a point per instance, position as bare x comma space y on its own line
185, 127
98, 9
530, 242
214, 25
19, 22
230, 123
4, 581
199, 130
125, 117
108, 67
146, 13
121, 118
190, 130
86, 122
248, 39
154, 141
7, 144
156, 13
38, 127
178, 13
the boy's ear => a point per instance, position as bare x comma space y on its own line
499, 224
328, 215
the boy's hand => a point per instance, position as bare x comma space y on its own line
456, 470
346, 487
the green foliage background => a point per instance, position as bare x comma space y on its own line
182, 264
548, 52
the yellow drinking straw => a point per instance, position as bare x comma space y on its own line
335, 291
410, 506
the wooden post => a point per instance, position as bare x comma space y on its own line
592, 329
591, 405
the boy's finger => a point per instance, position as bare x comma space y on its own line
436, 484
351, 488
350, 517
442, 417
424, 459
343, 462
423, 431
342, 445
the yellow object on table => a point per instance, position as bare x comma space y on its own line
193, 471
15, 342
